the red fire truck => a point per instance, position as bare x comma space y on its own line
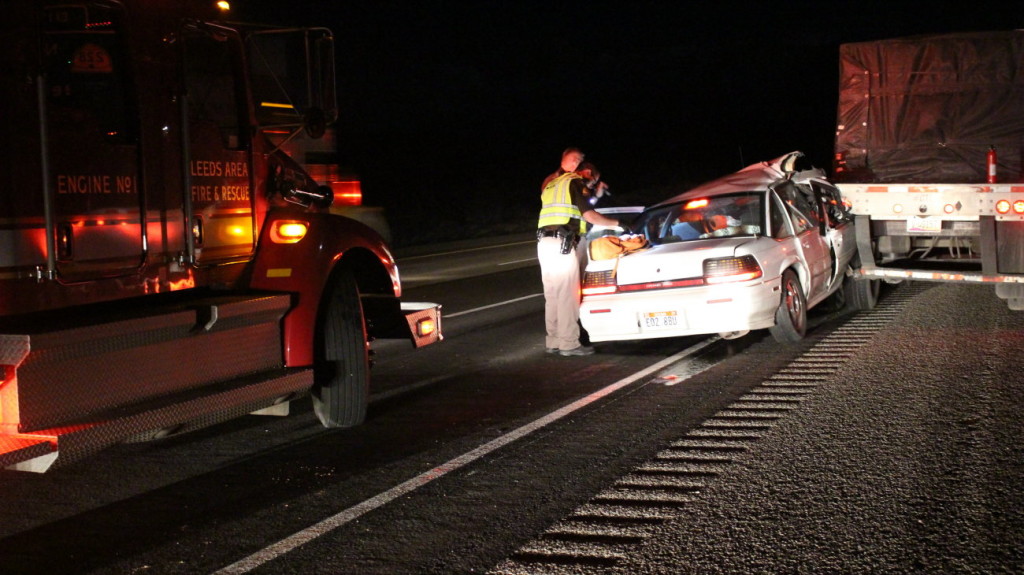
164, 264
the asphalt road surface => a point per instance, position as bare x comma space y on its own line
889, 441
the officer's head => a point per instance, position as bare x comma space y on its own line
571, 159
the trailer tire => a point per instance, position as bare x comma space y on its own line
342, 370
791, 316
861, 295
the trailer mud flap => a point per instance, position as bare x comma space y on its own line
1009, 247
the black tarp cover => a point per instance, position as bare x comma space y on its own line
925, 109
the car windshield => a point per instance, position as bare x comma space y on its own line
703, 217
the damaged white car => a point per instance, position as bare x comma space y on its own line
752, 250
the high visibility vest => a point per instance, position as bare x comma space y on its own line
557, 207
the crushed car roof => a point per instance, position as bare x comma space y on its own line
754, 177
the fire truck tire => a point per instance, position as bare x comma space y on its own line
791, 316
342, 370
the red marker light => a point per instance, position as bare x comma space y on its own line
347, 192
1003, 206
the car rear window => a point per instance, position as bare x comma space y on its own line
696, 218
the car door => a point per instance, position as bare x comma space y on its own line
805, 215
838, 227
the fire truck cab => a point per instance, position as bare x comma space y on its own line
164, 264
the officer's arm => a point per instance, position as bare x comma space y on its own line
599, 219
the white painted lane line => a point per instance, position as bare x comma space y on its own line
513, 262
500, 303
335, 521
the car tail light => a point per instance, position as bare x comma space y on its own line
598, 283
733, 269
722, 270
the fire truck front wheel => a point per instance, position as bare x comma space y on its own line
342, 369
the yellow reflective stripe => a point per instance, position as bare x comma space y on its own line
556, 206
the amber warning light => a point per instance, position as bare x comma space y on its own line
425, 327
288, 231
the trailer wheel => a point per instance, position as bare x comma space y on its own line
342, 369
861, 294
791, 316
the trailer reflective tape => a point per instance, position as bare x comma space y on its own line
902, 274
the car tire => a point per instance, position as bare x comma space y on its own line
342, 368
791, 315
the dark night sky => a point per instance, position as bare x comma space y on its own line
467, 105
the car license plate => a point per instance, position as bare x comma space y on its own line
924, 224
660, 320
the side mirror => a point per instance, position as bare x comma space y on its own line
327, 196
323, 197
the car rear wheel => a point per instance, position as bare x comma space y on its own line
342, 369
791, 316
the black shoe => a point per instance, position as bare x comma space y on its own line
581, 350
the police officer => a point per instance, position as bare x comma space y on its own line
563, 215
596, 189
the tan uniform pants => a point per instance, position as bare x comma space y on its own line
561, 276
